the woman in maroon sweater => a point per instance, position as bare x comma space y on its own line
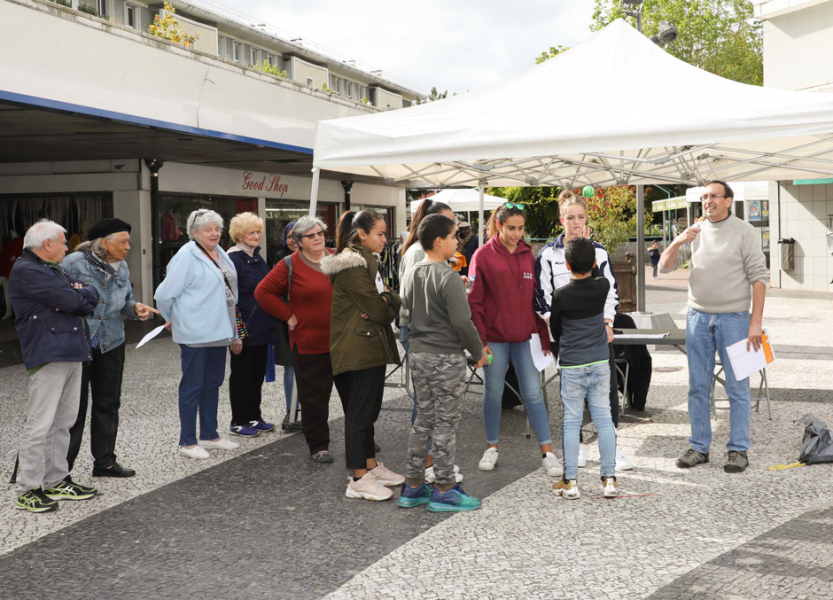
502, 308
308, 317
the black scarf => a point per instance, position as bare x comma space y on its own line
95, 261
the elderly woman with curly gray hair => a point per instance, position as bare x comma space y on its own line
198, 299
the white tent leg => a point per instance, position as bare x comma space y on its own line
480, 225
640, 248
313, 198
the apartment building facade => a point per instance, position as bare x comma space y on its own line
798, 55
148, 130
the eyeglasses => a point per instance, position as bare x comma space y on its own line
514, 205
705, 197
311, 236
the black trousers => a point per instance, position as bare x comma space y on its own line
102, 377
314, 377
245, 383
361, 395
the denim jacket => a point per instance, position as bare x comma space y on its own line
115, 299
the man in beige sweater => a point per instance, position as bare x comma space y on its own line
728, 271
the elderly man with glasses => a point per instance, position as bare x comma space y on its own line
721, 248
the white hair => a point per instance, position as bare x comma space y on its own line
40, 232
304, 225
200, 218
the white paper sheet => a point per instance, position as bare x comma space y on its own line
640, 336
541, 361
746, 363
150, 336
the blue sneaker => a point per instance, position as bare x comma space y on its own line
244, 431
411, 497
454, 500
261, 425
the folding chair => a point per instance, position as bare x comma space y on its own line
620, 361
763, 387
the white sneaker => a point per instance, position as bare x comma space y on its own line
610, 487
430, 477
622, 462
195, 452
221, 444
489, 460
385, 476
552, 465
582, 456
367, 488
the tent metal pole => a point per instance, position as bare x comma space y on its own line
480, 224
640, 248
313, 197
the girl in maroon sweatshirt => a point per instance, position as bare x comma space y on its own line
502, 308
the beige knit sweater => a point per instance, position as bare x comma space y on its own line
726, 259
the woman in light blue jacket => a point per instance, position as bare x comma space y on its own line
198, 300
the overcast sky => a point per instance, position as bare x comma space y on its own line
455, 45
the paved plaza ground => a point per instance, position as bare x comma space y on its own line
266, 522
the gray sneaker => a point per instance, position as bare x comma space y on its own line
736, 463
692, 458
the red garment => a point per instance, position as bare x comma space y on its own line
12, 249
503, 294
310, 299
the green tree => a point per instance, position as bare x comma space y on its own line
432, 97
551, 53
718, 36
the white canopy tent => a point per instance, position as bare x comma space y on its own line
650, 118
463, 201
744, 190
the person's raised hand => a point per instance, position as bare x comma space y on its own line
687, 236
143, 311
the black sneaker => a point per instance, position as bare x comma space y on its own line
736, 462
69, 490
36, 501
692, 458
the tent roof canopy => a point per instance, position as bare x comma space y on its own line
466, 200
648, 118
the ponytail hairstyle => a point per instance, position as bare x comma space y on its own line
428, 207
567, 197
499, 215
350, 224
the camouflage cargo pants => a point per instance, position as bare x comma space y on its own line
440, 383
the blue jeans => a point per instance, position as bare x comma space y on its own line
203, 371
707, 333
288, 381
529, 379
592, 383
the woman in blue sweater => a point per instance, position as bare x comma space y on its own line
198, 300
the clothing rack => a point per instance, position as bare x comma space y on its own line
389, 260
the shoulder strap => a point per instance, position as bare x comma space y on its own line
287, 260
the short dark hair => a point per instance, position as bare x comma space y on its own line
580, 254
727, 191
433, 227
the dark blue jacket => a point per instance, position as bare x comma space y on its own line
251, 270
47, 335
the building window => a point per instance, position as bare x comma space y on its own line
271, 59
102, 8
332, 82
131, 16
254, 56
349, 90
221, 46
310, 82
237, 52
338, 85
